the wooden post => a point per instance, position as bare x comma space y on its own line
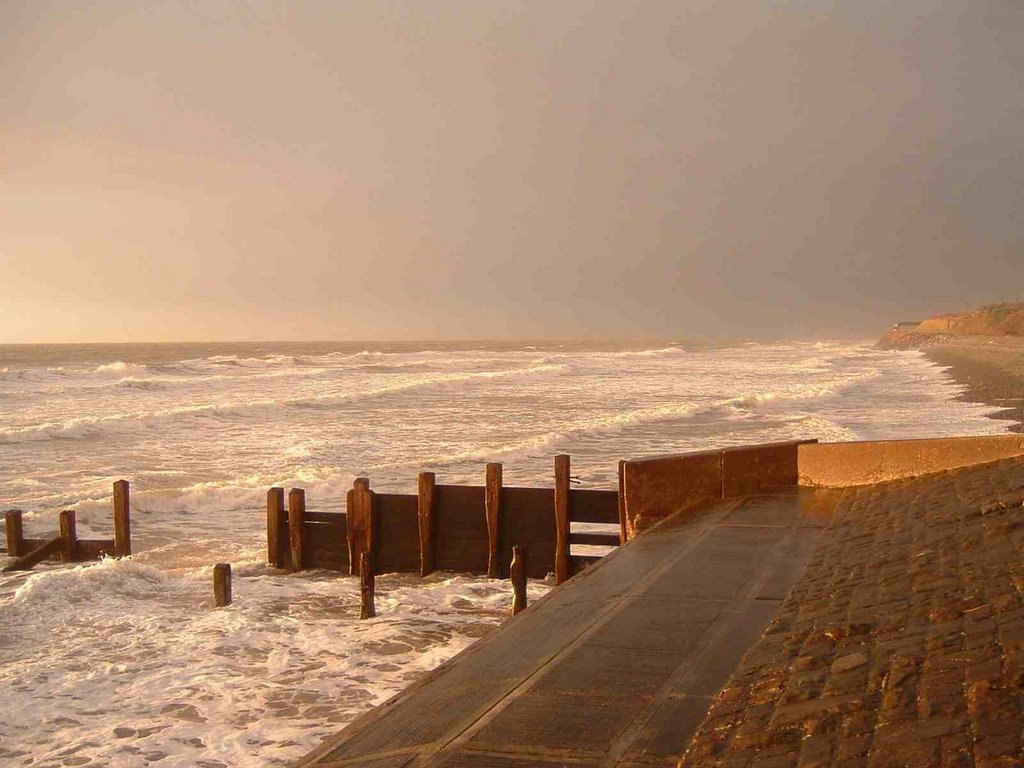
122, 519
15, 533
622, 502
426, 513
367, 609
296, 513
492, 508
364, 524
222, 584
68, 536
275, 517
561, 518
517, 573
352, 524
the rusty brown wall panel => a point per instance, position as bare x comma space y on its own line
594, 506
751, 469
324, 546
398, 543
88, 549
461, 529
94, 549
528, 520
324, 517
284, 555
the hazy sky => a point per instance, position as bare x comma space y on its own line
484, 169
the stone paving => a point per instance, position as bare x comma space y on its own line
901, 645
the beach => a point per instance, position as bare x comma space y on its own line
990, 368
126, 662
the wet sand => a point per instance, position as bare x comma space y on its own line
991, 369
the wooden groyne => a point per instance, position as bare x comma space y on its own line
66, 546
458, 528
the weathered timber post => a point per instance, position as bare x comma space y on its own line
296, 513
492, 508
622, 502
275, 520
364, 524
222, 584
68, 536
517, 573
367, 609
352, 524
122, 519
15, 533
426, 514
561, 518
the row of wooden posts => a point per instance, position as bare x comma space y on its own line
360, 531
222, 592
66, 546
362, 522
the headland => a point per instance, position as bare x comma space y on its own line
983, 349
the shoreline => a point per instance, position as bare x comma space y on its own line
990, 369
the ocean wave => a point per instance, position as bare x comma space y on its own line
182, 684
120, 368
145, 384
656, 352
90, 426
117, 580
804, 391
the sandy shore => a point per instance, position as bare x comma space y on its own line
991, 368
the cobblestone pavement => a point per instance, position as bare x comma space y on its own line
901, 645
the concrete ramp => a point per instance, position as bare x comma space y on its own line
619, 666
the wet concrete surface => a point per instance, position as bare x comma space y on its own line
617, 667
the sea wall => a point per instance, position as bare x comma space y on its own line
657, 487
864, 463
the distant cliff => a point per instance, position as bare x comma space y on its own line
992, 320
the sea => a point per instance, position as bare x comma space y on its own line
127, 662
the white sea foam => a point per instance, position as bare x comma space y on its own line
87, 426
152, 675
147, 673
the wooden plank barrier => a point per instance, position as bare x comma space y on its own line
455, 528
45, 551
396, 533
462, 544
66, 546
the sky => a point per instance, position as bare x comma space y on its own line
200, 170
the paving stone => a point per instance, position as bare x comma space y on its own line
910, 614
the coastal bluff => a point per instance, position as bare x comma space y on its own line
990, 320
